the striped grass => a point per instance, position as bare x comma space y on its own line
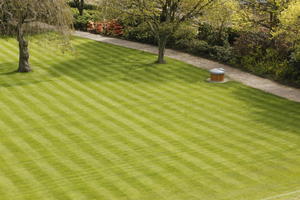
104, 122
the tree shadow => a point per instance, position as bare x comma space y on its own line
9, 73
95, 61
10, 77
6, 68
269, 110
100, 62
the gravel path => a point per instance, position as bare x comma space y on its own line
233, 73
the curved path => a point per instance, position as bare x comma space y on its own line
233, 73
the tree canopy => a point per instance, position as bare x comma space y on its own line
290, 21
162, 16
20, 18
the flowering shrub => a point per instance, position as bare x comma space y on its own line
105, 28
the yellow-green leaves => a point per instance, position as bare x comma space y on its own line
221, 13
291, 16
290, 22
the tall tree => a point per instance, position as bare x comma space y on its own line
221, 15
20, 18
263, 13
80, 6
162, 16
290, 22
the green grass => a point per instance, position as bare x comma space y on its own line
104, 123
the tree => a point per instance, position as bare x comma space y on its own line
221, 15
263, 13
21, 18
80, 6
163, 17
290, 22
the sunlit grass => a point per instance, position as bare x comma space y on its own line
104, 122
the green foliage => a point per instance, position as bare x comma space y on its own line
263, 55
261, 62
249, 43
185, 39
34, 16
212, 35
269, 63
221, 15
256, 15
162, 17
221, 53
86, 6
183, 35
194, 46
290, 23
295, 58
81, 21
231, 33
140, 33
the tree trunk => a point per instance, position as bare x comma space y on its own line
23, 52
162, 42
79, 4
81, 7
220, 33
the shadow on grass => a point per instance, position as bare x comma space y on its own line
112, 63
7, 68
10, 77
268, 109
99, 62
9, 73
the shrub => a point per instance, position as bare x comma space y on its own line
198, 47
249, 43
183, 35
194, 46
139, 33
232, 35
256, 52
86, 6
221, 53
268, 63
282, 45
212, 36
110, 28
80, 22
202, 48
295, 58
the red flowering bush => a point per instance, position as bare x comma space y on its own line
106, 28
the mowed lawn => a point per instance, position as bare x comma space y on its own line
104, 123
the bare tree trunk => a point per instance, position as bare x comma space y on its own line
81, 7
162, 42
23, 51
